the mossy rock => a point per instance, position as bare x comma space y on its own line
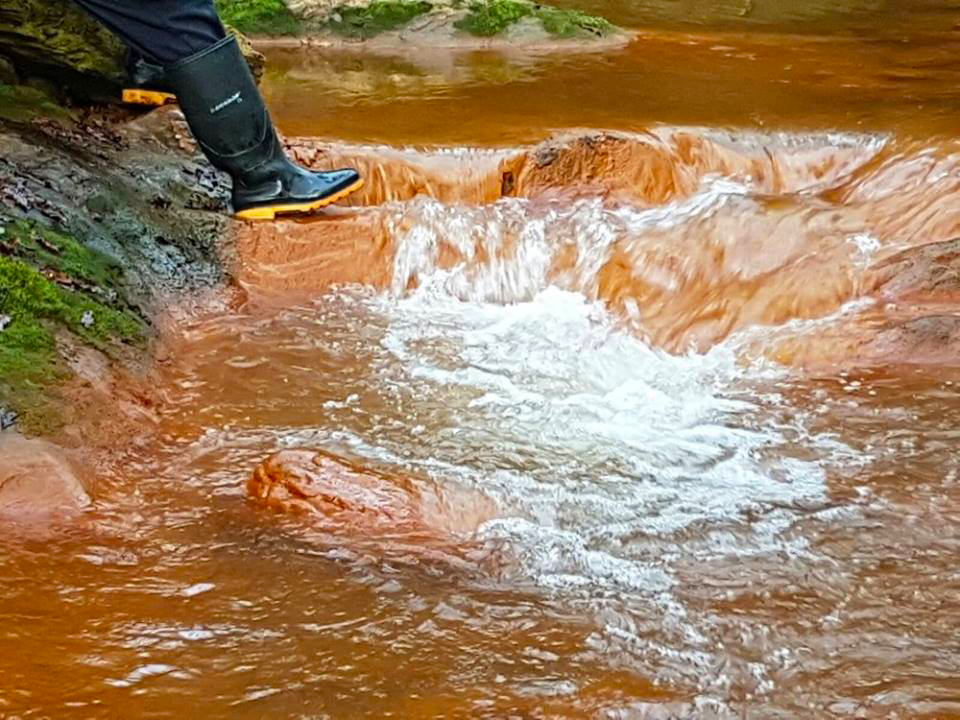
353, 20
56, 40
378, 17
488, 18
365, 19
56, 34
20, 103
492, 17
259, 17
572, 23
50, 283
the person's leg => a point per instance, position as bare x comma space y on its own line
162, 31
223, 107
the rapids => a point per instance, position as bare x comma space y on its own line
683, 396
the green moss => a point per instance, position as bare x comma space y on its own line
58, 39
571, 23
30, 369
46, 248
377, 17
32, 307
484, 18
26, 296
492, 17
259, 17
21, 103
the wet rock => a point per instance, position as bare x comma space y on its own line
906, 335
654, 167
56, 40
44, 87
285, 256
925, 340
78, 204
8, 74
37, 481
916, 320
340, 494
8, 418
922, 286
474, 177
321, 484
930, 271
97, 182
666, 164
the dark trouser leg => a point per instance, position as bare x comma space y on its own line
163, 31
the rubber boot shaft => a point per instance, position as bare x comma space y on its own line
230, 122
223, 107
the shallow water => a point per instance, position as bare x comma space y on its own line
679, 535
686, 527
869, 81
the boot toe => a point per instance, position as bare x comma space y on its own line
308, 185
340, 179
294, 191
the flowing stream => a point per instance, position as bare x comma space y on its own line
718, 491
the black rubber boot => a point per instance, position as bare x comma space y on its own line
146, 83
232, 126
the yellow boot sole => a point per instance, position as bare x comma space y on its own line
270, 212
136, 96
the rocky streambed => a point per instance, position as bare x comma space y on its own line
648, 421
111, 221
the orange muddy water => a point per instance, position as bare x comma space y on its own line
652, 420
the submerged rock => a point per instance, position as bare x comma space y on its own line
913, 319
924, 340
929, 272
37, 481
321, 484
344, 495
